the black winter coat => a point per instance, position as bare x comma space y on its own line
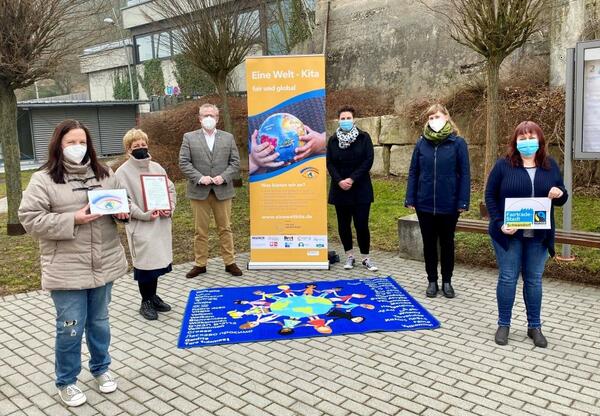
352, 162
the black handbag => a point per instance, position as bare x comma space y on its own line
333, 257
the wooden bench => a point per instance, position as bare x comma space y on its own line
411, 245
576, 238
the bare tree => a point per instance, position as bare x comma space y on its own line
493, 29
33, 43
214, 35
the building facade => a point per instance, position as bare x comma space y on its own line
152, 38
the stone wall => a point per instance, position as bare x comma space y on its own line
400, 46
394, 139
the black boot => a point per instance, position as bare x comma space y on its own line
539, 340
159, 305
502, 335
432, 290
448, 290
148, 311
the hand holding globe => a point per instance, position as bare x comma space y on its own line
283, 139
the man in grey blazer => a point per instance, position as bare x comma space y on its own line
210, 160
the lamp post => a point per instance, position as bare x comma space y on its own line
111, 21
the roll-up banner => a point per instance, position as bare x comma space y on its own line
287, 170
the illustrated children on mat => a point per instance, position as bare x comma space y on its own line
268, 309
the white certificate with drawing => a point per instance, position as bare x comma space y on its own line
155, 189
108, 201
527, 213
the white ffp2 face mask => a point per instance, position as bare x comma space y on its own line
437, 124
209, 123
75, 153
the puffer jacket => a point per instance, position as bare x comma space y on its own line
72, 257
439, 178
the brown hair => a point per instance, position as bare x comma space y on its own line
346, 109
541, 156
442, 109
55, 164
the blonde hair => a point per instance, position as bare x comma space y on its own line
132, 136
442, 109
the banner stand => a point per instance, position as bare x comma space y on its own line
288, 266
287, 170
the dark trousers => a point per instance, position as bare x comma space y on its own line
360, 214
148, 289
438, 228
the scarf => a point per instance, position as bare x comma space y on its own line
346, 138
437, 136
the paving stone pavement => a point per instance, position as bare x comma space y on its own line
454, 370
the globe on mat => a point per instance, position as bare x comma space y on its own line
283, 132
302, 306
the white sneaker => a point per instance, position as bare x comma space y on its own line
106, 383
349, 263
72, 395
369, 265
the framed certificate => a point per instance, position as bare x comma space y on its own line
108, 201
527, 213
155, 189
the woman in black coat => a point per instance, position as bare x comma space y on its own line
349, 160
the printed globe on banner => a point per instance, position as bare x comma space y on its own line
283, 132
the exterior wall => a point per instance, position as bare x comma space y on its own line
398, 45
392, 44
109, 59
139, 15
101, 85
167, 67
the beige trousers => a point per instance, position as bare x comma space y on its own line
222, 213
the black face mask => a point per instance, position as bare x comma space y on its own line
141, 153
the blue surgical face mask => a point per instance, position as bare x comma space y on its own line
346, 125
528, 147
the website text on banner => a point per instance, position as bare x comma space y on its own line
287, 142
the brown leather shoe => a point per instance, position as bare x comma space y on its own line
196, 270
233, 269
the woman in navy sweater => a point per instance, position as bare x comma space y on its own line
439, 187
526, 171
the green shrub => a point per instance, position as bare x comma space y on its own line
153, 80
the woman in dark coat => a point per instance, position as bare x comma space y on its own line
439, 187
349, 160
526, 171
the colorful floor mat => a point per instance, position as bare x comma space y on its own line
264, 313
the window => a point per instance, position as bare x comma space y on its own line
143, 46
162, 44
278, 18
176, 40
249, 23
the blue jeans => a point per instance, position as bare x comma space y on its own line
78, 311
526, 257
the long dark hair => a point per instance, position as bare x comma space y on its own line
55, 164
541, 156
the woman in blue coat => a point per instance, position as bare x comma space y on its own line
439, 187
526, 171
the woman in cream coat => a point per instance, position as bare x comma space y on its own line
148, 232
80, 253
